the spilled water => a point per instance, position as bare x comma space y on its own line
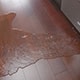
19, 49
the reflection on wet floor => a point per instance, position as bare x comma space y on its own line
20, 49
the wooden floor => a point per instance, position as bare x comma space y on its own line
37, 16
64, 68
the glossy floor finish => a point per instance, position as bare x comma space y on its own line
64, 68
40, 28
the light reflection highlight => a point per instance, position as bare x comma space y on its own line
15, 3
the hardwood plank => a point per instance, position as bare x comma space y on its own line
73, 65
18, 76
26, 18
31, 73
64, 76
45, 70
57, 65
6, 78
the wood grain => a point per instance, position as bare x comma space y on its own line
41, 27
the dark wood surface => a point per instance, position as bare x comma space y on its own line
35, 17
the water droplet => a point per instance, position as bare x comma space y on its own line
51, 36
24, 36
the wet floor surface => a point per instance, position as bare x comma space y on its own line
35, 30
